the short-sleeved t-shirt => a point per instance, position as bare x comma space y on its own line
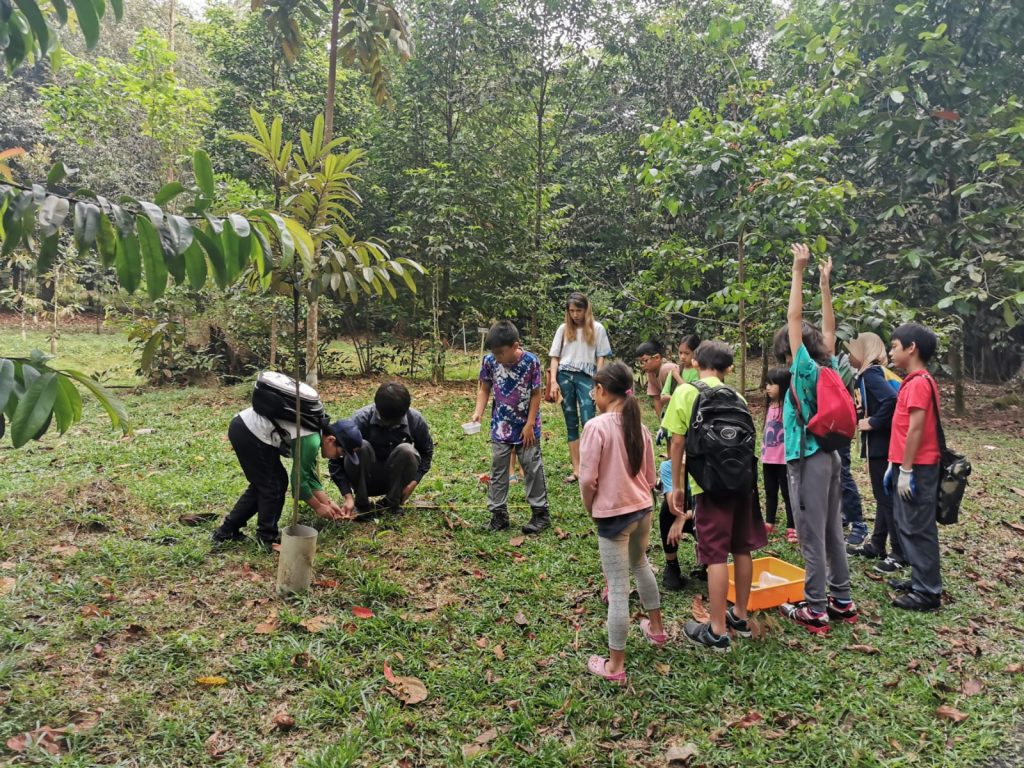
918, 391
656, 384
680, 411
512, 388
689, 375
773, 446
804, 381
577, 355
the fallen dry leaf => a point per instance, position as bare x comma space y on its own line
1014, 669
64, 549
7, 584
217, 745
83, 721
562, 535
304, 661
50, 740
487, 736
471, 750
520, 619
971, 686
211, 681
681, 754
861, 648
326, 584
951, 713
362, 613
268, 626
1014, 526
408, 690
662, 669
518, 541
749, 720
700, 613
1018, 491
317, 623
284, 722
499, 652
481, 642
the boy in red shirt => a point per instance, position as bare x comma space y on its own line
913, 474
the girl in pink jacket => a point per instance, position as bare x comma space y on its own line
616, 480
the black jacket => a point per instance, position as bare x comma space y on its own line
878, 401
411, 429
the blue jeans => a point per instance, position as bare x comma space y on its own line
853, 511
576, 389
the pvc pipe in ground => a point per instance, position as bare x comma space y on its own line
295, 567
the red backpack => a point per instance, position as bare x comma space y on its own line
834, 421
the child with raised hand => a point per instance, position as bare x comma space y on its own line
578, 351
514, 376
616, 480
651, 356
877, 403
913, 476
773, 453
814, 474
725, 522
685, 371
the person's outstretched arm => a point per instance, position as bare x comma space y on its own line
795, 313
828, 315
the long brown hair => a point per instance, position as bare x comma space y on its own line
617, 380
580, 301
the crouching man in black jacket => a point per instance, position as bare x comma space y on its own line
396, 453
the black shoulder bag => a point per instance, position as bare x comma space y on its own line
954, 469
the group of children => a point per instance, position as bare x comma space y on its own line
613, 462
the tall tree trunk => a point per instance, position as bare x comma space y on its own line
956, 365
742, 276
539, 189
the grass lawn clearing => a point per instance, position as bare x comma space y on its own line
119, 623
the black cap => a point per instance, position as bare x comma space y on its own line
348, 436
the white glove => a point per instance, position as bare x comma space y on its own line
906, 487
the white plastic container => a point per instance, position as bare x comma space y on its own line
295, 566
471, 428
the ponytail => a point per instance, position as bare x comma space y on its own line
617, 379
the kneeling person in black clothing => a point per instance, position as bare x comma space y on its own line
395, 455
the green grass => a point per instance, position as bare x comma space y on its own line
125, 624
108, 355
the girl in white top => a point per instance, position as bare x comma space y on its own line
578, 351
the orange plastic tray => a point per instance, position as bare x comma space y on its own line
775, 595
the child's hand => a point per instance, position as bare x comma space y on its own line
906, 486
824, 273
864, 425
677, 502
529, 439
675, 532
801, 256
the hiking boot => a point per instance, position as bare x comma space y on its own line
222, 535
538, 522
901, 585
845, 612
890, 565
499, 521
805, 616
740, 626
865, 550
858, 532
918, 601
701, 635
672, 578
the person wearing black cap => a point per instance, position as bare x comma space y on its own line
395, 454
257, 442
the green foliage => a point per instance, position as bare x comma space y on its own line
27, 32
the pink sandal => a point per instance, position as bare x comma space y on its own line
791, 536
654, 639
596, 666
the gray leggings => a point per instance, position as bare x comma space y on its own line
627, 551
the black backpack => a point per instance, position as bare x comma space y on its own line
720, 441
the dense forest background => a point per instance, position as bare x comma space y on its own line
659, 156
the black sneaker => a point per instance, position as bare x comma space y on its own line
672, 578
901, 585
225, 536
700, 573
858, 533
806, 617
844, 612
740, 626
890, 565
918, 601
865, 550
701, 635
499, 521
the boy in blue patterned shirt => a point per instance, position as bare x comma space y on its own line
514, 376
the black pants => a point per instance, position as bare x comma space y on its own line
387, 478
268, 483
665, 521
775, 480
885, 525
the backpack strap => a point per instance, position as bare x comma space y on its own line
938, 417
799, 420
